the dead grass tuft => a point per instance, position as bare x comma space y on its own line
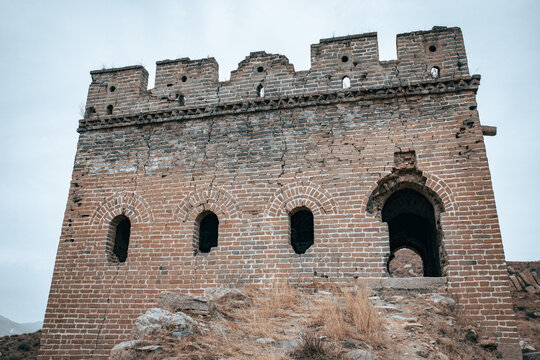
349, 312
277, 301
331, 318
314, 347
361, 312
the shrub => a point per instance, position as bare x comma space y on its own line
24, 346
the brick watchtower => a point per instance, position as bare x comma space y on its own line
278, 174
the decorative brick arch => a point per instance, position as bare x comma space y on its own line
317, 200
219, 201
130, 205
435, 190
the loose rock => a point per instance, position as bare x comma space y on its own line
156, 321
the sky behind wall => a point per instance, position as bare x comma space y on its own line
47, 49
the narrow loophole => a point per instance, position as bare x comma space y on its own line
260, 90
109, 109
181, 100
346, 82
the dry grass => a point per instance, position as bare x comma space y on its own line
361, 312
274, 356
331, 318
349, 312
269, 305
314, 347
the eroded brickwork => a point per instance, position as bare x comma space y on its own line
162, 157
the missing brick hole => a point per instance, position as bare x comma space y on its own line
109, 109
260, 69
181, 100
435, 72
184, 78
169, 85
344, 58
432, 48
112, 88
472, 107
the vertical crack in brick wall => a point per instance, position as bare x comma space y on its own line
106, 312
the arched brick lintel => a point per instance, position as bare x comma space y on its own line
130, 205
435, 189
287, 199
218, 201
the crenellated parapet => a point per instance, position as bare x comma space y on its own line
345, 67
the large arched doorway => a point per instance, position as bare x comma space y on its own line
412, 224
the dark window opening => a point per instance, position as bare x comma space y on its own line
122, 230
301, 230
260, 69
260, 90
184, 78
112, 88
208, 232
344, 58
411, 223
181, 99
432, 48
109, 109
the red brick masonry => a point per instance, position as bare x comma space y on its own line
161, 157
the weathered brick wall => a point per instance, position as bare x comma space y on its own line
251, 160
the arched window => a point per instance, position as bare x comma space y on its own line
346, 82
411, 224
119, 239
208, 231
301, 230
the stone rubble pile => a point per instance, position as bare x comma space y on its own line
525, 280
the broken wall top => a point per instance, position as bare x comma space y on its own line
184, 87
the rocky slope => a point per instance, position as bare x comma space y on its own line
19, 347
321, 321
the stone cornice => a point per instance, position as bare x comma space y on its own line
283, 102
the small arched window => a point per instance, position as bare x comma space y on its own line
119, 243
208, 231
301, 230
346, 82
260, 90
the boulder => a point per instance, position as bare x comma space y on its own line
158, 321
124, 351
360, 355
515, 282
131, 350
230, 298
439, 299
173, 302
528, 278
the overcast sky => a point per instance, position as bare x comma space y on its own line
47, 49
